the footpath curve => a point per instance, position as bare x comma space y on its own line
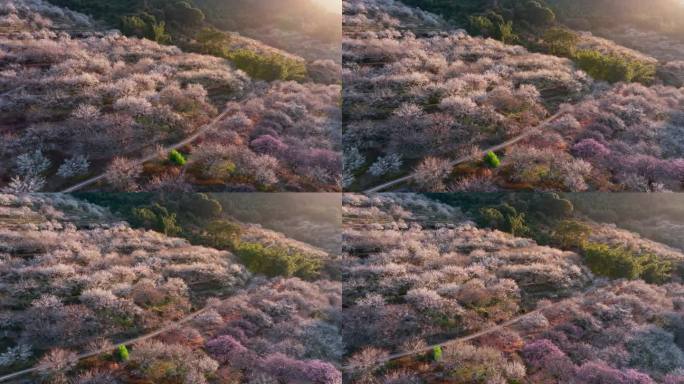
100, 351
479, 154
202, 130
470, 337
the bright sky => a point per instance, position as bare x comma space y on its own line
331, 5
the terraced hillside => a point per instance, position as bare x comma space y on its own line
434, 294
87, 298
423, 99
83, 107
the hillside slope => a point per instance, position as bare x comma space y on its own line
420, 275
75, 278
419, 93
90, 103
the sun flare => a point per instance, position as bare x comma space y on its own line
330, 5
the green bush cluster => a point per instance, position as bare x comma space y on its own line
183, 14
560, 42
196, 216
122, 353
570, 234
542, 216
504, 218
492, 160
504, 21
536, 13
614, 68
177, 158
145, 19
150, 22
437, 353
616, 262
146, 26
213, 42
220, 233
156, 217
493, 25
268, 67
278, 261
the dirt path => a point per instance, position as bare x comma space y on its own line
105, 350
155, 155
473, 336
477, 155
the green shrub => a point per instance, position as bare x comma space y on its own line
492, 25
492, 160
504, 218
655, 271
183, 14
537, 14
157, 32
553, 206
561, 41
201, 206
133, 26
122, 352
517, 225
506, 34
481, 25
144, 25
604, 260
213, 42
177, 158
229, 167
613, 68
437, 353
491, 217
570, 234
616, 262
268, 67
157, 218
220, 169
222, 234
277, 261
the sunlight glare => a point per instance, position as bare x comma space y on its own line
330, 5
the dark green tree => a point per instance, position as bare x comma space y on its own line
222, 234
612, 262
655, 271
183, 14
278, 261
202, 206
156, 217
491, 217
570, 234
213, 42
561, 41
538, 15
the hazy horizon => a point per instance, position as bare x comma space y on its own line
330, 5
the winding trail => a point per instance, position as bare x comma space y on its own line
377, 362
479, 154
100, 351
470, 337
155, 155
